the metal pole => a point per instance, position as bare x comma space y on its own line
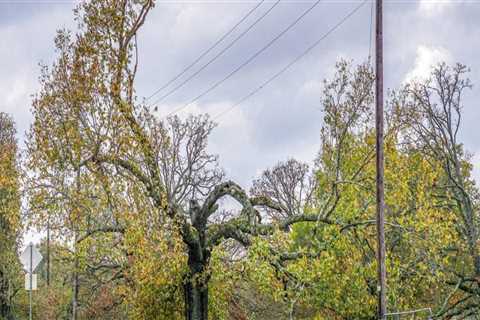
382, 309
48, 252
31, 276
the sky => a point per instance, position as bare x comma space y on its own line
282, 120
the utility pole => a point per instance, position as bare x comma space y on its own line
382, 274
48, 251
30, 280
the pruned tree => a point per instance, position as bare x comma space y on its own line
130, 162
137, 195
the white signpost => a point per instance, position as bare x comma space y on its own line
30, 258
27, 281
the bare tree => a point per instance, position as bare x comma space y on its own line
188, 171
290, 184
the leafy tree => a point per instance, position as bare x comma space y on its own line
420, 229
10, 223
138, 201
433, 108
108, 161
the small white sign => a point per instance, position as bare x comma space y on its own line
27, 281
32, 254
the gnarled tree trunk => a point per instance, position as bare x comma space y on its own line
196, 284
196, 288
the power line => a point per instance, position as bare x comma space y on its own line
181, 84
224, 2
291, 63
246, 62
208, 50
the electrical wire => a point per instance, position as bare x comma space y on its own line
291, 63
249, 60
181, 84
223, 37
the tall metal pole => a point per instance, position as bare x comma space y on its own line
382, 274
31, 276
48, 252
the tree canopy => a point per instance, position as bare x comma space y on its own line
145, 223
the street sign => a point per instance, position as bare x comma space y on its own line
34, 256
30, 258
27, 281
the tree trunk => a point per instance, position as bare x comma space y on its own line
6, 311
75, 283
196, 289
196, 284
75, 292
47, 260
196, 301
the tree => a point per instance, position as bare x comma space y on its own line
330, 284
289, 184
123, 160
138, 199
10, 224
433, 108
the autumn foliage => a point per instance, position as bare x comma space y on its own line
139, 209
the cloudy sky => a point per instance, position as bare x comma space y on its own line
282, 120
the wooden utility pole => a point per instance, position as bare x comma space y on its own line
382, 274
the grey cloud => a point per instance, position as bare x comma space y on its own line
18, 12
283, 120
26, 41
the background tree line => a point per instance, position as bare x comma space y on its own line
138, 208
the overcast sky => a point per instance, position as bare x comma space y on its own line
283, 120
